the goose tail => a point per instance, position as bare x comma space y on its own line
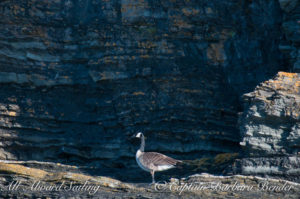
179, 164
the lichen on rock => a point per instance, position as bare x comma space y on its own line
270, 128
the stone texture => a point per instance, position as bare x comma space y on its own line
270, 122
32, 180
280, 167
79, 77
288, 5
270, 129
291, 29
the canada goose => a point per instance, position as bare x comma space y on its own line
152, 161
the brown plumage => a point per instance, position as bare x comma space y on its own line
152, 161
157, 159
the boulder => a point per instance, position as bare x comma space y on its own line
270, 128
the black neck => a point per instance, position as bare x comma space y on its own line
142, 148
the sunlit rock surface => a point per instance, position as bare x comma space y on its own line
49, 180
270, 128
79, 77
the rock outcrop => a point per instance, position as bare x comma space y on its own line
79, 77
50, 180
291, 29
270, 128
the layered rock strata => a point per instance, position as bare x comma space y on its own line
291, 29
270, 128
79, 77
48, 180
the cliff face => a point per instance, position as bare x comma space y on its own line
290, 27
270, 128
79, 77
55, 182
269, 124
272, 114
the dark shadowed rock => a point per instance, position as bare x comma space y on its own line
290, 27
288, 5
270, 128
51, 180
79, 77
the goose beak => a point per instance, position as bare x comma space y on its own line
131, 137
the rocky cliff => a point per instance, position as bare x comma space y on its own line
290, 27
270, 130
78, 77
51, 180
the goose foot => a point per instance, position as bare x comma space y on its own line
152, 183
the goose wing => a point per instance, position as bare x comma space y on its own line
157, 159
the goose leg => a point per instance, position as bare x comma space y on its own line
152, 174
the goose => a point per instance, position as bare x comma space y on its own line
153, 161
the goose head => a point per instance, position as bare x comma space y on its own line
139, 135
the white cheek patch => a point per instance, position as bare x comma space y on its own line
138, 135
